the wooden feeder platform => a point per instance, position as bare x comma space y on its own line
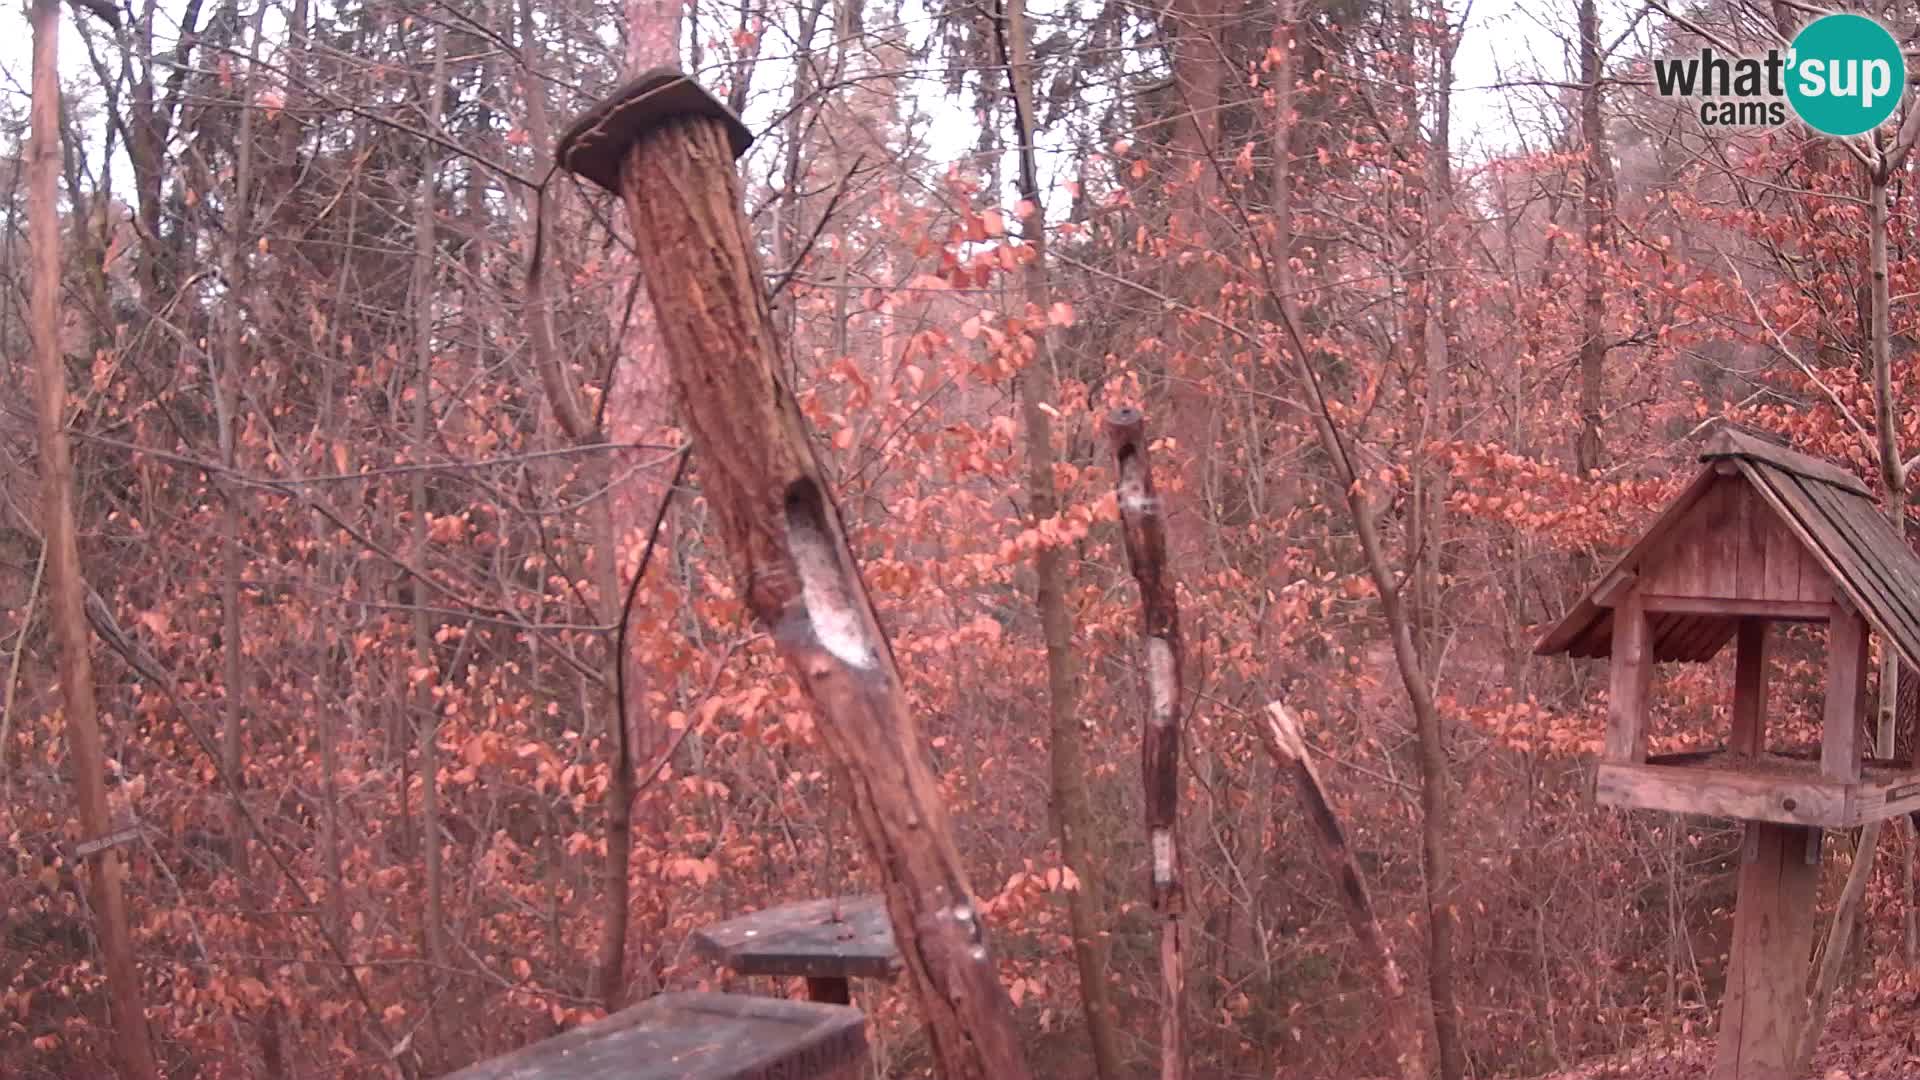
825, 941
697, 1037
1787, 789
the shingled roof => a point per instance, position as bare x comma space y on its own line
1829, 510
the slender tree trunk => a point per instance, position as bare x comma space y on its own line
426, 708
1072, 805
1595, 202
1435, 771
1893, 475
226, 396
65, 587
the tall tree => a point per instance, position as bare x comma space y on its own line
1038, 389
66, 587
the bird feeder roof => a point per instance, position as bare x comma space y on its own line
1829, 511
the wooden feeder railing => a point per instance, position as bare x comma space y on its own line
667, 148
697, 1037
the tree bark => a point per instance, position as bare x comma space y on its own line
426, 708
1143, 528
226, 397
1595, 202
1281, 733
65, 588
1035, 383
796, 573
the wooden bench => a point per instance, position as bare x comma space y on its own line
697, 1037
825, 941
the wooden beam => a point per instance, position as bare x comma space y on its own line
1724, 793
1631, 674
1762, 1012
1846, 695
1749, 735
1784, 610
1614, 586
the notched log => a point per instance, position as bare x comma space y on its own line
827, 595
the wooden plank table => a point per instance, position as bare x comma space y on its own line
697, 1037
825, 941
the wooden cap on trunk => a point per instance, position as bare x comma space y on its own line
594, 146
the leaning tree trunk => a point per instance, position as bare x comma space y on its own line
65, 590
1280, 732
667, 147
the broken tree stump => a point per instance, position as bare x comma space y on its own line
697, 1037
827, 942
1143, 530
667, 148
1281, 734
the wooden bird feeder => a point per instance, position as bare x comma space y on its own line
827, 942
697, 1037
1761, 535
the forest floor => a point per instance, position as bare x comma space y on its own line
1875, 1037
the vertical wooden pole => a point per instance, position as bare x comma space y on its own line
1631, 670
1749, 736
1763, 1011
1144, 532
1846, 695
667, 147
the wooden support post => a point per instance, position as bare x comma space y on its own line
1749, 737
1765, 1004
1631, 670
667, 147
1846, 695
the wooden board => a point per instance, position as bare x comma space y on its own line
1731, 546
1768, 787
1726, 793
1761, 1015
845, 937
697, 1037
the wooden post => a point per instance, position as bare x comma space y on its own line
1144, 531
1846, 695
1631, 671
1749, 737
1765, 1004
667, 147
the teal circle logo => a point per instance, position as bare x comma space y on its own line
1845, 74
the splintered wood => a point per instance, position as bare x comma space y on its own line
1280, 731
770, 501
1145, 534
